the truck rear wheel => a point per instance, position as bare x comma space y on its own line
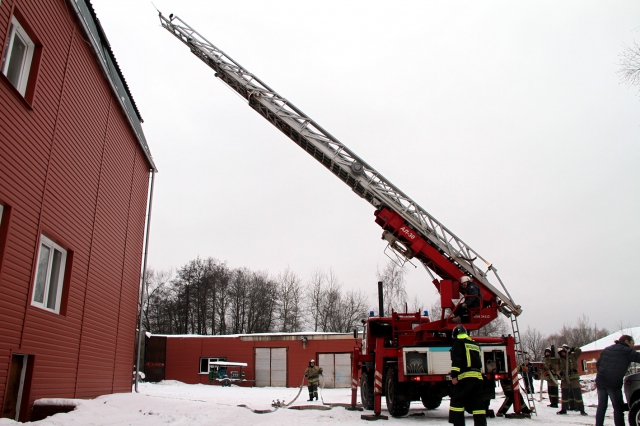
396, 407
431, 402
366, 390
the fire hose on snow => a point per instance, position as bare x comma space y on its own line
282, 404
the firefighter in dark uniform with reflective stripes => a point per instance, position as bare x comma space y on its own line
466, 376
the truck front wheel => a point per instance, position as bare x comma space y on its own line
396, 406
366, 390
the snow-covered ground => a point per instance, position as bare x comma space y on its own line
176, 403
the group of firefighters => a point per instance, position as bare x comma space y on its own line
563, 368
558, 367
466, 377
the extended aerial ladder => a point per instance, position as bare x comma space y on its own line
411, 232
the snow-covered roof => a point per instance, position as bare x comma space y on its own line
298, 333
610, 339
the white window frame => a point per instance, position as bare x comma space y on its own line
209, 359
1, 209
18, 31
45, 275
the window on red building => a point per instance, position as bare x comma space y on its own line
47, 290
18, 53
204, 364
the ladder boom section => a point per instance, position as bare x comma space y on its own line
363, 179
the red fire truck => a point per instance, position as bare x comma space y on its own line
404, 356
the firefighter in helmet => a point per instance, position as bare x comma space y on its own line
571, 391
472, 297
312, 374
551, 368
466, 376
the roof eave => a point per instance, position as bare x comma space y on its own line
105, 72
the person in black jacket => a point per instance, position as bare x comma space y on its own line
472, 298
612, 365
466, 377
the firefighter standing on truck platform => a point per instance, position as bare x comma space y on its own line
311, 373
472, 297
466, 376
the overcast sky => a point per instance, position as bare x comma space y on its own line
506, 121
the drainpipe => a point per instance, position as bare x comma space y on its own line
144, 277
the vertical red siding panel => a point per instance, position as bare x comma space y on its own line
131, 276
109, 238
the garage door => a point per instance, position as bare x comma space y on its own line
336, 369
271, 367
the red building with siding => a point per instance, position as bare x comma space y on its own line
74, 178
272, 359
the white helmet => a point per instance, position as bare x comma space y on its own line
312, 360
464, 279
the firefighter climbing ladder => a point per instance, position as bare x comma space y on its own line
363, 179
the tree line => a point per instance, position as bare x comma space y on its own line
575, 335
207, 297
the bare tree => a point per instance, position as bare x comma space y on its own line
330, 305
497, 327
239, 299
329, 308
630, 65
262, 302
289, 307
155, 307
577, 335
533, 343
393, 287
217, 276
352, 307
314, 297
626, 329
416, 304
435, 311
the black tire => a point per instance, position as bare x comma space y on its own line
395, 407
634, 414
431, 402
366, 390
